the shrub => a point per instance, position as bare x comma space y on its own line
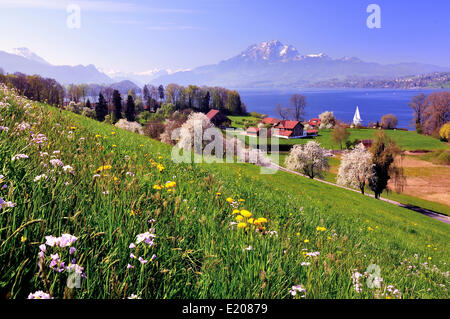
444, 132
154, 129
169, 127
74, 107
389, 121
88, 112
130, 126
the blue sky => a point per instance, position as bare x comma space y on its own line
136, 36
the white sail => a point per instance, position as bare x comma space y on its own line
357, 118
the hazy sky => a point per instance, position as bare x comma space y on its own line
178, 34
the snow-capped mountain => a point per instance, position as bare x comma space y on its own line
28, 54
272, 64
25, 61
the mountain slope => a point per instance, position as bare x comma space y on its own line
273, 64
29, 63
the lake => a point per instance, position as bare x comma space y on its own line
373, 103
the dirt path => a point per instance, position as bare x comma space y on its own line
429, 213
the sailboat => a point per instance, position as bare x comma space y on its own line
357, 118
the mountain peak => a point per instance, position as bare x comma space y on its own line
270, 51
28, 54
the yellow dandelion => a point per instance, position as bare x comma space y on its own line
306, 240
230, 200
23, 239
239, 218
369, 228
114, 145
262, 220
104, 168
113, 133
246, 213
132, 213
236, 211
320, 228
251, 220
218, 194
298, 234
242, 225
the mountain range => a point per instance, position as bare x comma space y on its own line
269, 64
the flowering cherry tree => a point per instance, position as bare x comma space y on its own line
309, 159
355, 168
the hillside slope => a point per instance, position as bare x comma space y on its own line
315, 235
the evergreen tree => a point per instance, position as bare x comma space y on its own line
117, 102
101, 108
130, 110
204, 106
146, 93
161, 92
88, 104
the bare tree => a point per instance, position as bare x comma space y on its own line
298, 104
283, 112
418, 105
437, 112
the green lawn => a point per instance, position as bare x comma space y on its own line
198, 254
408, 140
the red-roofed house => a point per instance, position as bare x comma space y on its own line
270, 120
367, 143
218, 119
314, 122
289, 129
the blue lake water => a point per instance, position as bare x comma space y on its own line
373, 103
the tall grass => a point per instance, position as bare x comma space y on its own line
199, 254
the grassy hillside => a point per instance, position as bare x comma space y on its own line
316, 235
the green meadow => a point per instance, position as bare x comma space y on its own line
316, 235
407, 140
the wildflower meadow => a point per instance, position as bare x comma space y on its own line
88, 210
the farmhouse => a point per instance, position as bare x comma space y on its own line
256, 131
218, 119
289, 129
270, 120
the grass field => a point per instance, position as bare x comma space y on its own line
316, 235
408, 140
331, 175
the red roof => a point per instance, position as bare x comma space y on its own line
314, 122
252, 130
287, 125
270, 120
285, 133
312, 131
212, 113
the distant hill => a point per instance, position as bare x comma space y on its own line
273, 64
24, 61
439, 80
124, 86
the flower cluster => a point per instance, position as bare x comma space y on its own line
19, 156
56, 263
38, 138
170, 186
39, 295
104, 168
144, 241
298, 289
245, 220
6, 204
158, 166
